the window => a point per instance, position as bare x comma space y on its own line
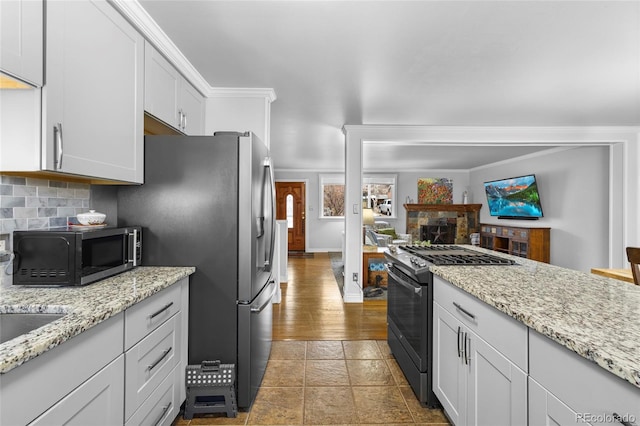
331, 195
378, 193
289, 211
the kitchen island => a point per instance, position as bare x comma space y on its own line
134, 322
579, 356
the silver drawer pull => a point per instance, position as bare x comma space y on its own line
164, 412
159, 360
617, 417
464, 311
167, 306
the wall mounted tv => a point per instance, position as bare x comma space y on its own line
514, 198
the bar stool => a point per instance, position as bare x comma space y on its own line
633, 254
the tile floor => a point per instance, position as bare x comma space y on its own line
330, 383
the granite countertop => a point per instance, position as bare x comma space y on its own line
85, 307
596, 317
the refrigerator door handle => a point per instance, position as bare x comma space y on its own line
272, 193
265, 304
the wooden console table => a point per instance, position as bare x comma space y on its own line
530, 243
370, 254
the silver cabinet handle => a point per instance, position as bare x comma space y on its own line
164, 308
184, 126
164, 411
464, 311
466, 352
159, 360
459, 345
57, 147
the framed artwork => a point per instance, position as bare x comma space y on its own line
435, 191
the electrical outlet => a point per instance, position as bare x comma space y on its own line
355, 276
4, 242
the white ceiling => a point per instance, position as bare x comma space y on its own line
445, 63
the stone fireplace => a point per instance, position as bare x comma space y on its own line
442, 223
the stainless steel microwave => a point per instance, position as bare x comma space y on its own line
74, 257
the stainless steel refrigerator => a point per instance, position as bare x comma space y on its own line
208, 202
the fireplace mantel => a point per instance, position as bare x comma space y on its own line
465, 218
443, 207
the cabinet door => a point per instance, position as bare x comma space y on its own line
547, 410
98, 401
496, 388
161, 87
192, 107
93, 99
449, 378
21, 42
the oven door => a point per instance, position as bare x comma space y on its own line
407, 312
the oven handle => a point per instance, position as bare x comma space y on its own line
416, 290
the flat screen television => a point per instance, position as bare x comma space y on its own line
514, 198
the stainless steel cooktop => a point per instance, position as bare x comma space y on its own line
454, 255
416, 259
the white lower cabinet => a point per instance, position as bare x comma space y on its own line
568, 389
547, 410
90, 359
480, 360
128, 370
149, 363
156, 356
98, 401
474, 382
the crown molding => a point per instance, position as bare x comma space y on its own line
144, 23
241, 92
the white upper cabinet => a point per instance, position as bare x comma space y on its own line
93, 96
169, 97
192, 109
21, 40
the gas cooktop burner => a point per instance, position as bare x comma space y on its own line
451, 255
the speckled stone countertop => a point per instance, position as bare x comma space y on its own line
85, 307
594, 316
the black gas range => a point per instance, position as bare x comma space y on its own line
410, 307
416, 259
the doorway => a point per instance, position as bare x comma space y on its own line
290, 206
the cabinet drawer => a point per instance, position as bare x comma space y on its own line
146, 316
149, 362
162, 406
502, 332
579, 383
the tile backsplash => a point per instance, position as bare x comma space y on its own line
31, 203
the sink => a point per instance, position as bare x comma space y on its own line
15, 324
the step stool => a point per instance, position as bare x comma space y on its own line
210, 389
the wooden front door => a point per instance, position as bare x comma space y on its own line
290, 206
